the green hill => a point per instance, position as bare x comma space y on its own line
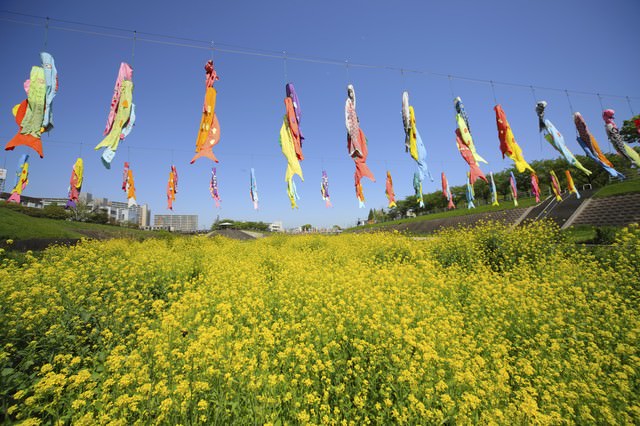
625, 187
505, 205
19, 226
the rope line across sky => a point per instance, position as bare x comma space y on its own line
135, 36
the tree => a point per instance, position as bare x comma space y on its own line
81, 212
306, 227
54, 211
217, 225
257, 226
629, 132
435, 201
98, 217
234, 224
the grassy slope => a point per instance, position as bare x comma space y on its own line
580, 233
626, 187
16, 225
587, 233
456, 212
19, 226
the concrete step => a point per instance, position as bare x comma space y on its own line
619, 210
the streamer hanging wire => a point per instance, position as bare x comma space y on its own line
163, 39
570, 104
46, 33
630, 107
571, 107
535, 101
284, 61
212, 49
493, 91
80, 151
346, 61
133, 50
600, 100
533, 95
601, 111
453, 95
404, 84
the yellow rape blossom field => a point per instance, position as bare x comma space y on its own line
487, 325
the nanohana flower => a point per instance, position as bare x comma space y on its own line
487, 324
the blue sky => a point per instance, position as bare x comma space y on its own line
582, 46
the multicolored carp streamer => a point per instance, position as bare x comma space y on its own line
22, 179
470, 193
75, 184
356, 143
34, 115
291, 143
465, 130
209, 131
446, 191
391, 196
555, 138
535, 187
514, 189
121, 117
494, 193
417, 187
213, 187
591, 148
508, 144
324, 189
128, 185
125, 175
616, 139
570, 185
555, 185
172, 187
254, 189
292, 106
467, 155
415, 146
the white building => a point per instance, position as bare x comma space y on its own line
144, 219
53, 201
276, 227
118, 211
177, 222
3, 179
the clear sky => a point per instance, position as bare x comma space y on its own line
579, 45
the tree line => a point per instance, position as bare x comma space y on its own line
435, 202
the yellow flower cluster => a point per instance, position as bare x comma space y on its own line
487, 325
